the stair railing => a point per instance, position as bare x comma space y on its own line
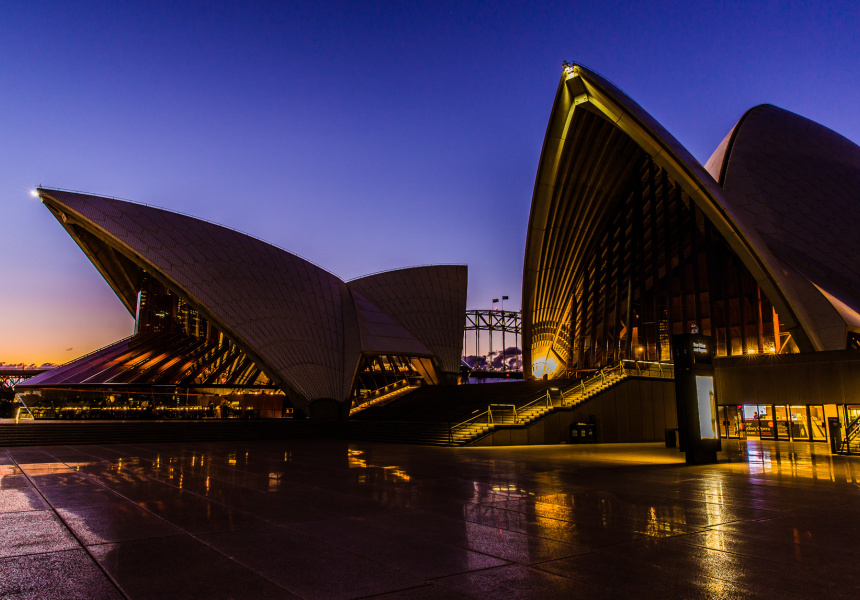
472, 421
608, 374
852, 430
614, 372
545, 398
498, 408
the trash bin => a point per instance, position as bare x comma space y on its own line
583, 433
672, 438
590, 430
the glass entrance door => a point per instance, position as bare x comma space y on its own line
752, 421
798, 423
731, 422
781, 423
766, 426
817, 427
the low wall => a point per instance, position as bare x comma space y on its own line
789, 379
635, 410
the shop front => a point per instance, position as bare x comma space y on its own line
802, 423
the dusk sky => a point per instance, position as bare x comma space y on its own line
361, 136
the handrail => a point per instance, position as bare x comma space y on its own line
490, 410
610, 373
622, 368
852, 430
546, 397
469, 420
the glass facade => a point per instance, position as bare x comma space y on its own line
656, 267
378, 375
799, 423
176, 365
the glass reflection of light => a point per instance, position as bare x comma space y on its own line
797, 460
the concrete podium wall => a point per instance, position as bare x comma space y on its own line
789, 379
636, 410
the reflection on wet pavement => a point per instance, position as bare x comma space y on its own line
333, 519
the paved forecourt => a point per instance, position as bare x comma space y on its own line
335, 519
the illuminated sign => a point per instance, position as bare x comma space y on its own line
707, 408
700, 347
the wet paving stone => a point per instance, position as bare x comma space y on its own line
334, 519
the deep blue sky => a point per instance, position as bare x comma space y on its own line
363, 136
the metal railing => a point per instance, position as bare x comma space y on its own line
570, 396
852, 430
499, 409
613, 373
453, 429
534, 403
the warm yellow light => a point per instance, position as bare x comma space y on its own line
750, 351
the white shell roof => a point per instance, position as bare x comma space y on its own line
281, 309
796, 184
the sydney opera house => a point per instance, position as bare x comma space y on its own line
631, 240
222, 314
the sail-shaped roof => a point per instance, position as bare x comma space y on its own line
796, 183
800, 166
301, 324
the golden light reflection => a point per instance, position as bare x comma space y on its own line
510, 490
231, 459
716, 540
798, 461
355, 460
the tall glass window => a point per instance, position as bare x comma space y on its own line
658, 267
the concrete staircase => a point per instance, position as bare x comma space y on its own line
561, 398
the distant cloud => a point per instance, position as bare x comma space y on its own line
495, 358
509, 356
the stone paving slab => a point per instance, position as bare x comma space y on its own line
321, 519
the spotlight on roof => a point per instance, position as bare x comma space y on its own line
570, 70
34, 193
